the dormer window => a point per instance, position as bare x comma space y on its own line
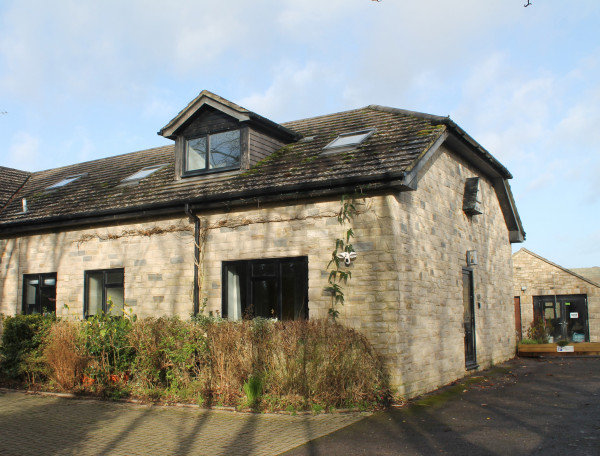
212, 152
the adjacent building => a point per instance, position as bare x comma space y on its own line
567, 300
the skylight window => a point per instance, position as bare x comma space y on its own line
141, 174
348, 141
65, 181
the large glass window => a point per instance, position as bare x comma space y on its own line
39, 293
104, 292
273, 288
566, 314
218, 151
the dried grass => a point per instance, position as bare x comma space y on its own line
64, 355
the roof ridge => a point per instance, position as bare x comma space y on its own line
325, 115
15, 169
407, 112
567, 270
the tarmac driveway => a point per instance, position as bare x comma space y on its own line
525, 407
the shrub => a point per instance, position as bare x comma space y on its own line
325, 363
230, 360
528, 341
169, 352
261, 363
295, 363
21, 356
539, 330
65, 355
106, 344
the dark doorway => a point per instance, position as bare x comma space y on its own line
39, 293
469, 319
566, 314
518, 327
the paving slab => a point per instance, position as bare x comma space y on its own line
47, 425
546, 407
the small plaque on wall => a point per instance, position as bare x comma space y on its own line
566, 348
574, 314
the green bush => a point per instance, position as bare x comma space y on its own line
106, 343
169, 353
21, 352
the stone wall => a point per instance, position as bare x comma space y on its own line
158, 259
541, 277
405, 293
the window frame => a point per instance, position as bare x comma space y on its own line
38, 295
105, 285
246, 288
207, 170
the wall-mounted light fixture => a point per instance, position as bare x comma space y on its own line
471, 257
523, 289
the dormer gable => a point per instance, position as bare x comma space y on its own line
214, 135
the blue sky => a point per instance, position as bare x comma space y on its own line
81, 80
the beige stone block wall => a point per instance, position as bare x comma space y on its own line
434, 237
542, 278
158, 267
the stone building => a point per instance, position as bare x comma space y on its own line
569, 301
240, 217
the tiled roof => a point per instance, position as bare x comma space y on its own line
12, 180
395, 147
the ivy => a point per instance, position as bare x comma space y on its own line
339, 274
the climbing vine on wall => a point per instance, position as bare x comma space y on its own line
341, 256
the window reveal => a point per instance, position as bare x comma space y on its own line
39, 293
274, 288
218, 151
104, 292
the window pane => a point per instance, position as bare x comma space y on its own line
264, 298
196, 154
94, 297
293, 276
114, 301
49, 281
48, 299
30, 293
262, 269
225, 149
234, 295
114, 277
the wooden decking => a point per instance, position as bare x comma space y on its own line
579, 349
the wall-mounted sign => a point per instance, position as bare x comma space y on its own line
574, 314
566, 348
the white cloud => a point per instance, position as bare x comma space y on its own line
304, 88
